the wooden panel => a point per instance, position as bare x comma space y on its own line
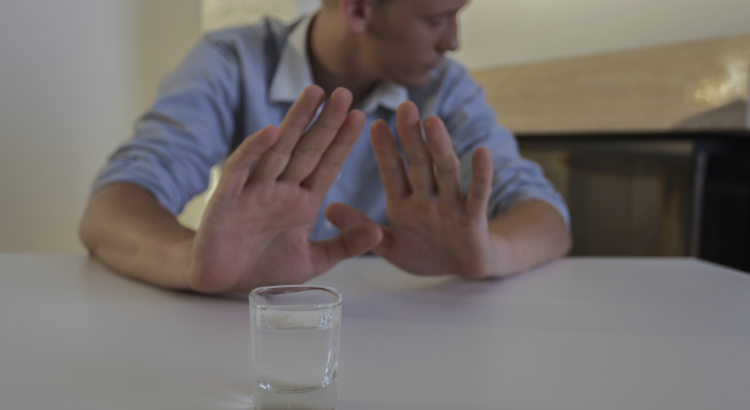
625, 199
646, 89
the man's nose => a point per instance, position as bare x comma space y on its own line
449, 39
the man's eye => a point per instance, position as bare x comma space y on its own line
435, 21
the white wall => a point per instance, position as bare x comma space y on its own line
74, 74
501, 32
225, 13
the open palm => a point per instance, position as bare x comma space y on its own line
432, 229
255, 231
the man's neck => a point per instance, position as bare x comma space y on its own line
334, 60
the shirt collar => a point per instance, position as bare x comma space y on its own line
387, 94
294, 74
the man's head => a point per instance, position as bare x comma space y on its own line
400, 40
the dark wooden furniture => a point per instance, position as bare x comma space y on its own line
653, 194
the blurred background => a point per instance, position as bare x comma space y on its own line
636, 109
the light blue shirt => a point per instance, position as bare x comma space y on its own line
237, 81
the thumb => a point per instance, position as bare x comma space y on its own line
343, 216
351, 242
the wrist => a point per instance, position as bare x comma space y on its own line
178, 264
503, 260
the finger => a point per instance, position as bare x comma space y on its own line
238, 163
481, 183
302, 112
344, 217
316, 140
390, 162
330, 163
349, 243
447, 168
418, 162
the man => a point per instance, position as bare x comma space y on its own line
460, 201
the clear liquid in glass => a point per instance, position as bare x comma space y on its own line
295, 366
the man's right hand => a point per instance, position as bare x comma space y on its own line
255, 230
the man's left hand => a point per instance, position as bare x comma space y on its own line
433, 229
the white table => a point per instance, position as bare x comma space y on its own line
576, 334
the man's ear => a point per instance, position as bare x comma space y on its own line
357, 13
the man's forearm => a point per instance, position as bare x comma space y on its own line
527, 235
126, 228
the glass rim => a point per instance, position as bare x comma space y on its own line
255, 304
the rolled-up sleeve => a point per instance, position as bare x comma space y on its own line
186, 132
472, 124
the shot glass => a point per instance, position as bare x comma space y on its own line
295, 347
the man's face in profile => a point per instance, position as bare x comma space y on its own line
406, 39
